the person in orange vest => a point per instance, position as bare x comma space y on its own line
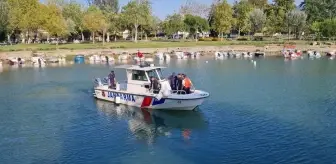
186, 84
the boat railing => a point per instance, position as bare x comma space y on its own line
178, 92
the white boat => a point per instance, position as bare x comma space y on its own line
179, 55
123, 56
38, 61
15, 61
219, 55
247, 55
166, 57
150, 60
195, 55
94, 58
159, 56
135, 92
162, 56
313, 54
105, 59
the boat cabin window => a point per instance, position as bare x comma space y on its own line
154, 74
139, 75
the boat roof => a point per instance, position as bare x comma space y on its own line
137, 67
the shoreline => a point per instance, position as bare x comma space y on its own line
270, 50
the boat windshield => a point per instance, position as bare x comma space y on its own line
157, 74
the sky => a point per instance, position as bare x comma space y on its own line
162, 8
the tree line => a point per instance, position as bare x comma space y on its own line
29, 20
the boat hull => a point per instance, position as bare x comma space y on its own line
148, 101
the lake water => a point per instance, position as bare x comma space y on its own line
276, 112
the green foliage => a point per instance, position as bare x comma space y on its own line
4, 10
94, 20
173, 23
296, 21
107, 5
257, 19
241, 13
222, 16
74, 12
136, 14
195, 24
54, 22
24, 14
319, 10
327, 28
260, 4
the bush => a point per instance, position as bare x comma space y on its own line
215, 39
243, 38
205, 39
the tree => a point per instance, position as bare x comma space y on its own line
194, 24
257, 19
136, 14
192, 7
327, 28
108, 5
222, 16
74, 12
54, 22
25, 15
287, 5
95, 21
173, 23
319, 10
260, 4
4, 22
241, 13
296, 21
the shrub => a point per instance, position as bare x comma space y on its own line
243, 38
215, 39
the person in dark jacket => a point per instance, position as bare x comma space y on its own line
154, 86
179, 83
172, 81
111, 77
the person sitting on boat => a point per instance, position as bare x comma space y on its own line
186, 84
112, 79
154, 86
172, 81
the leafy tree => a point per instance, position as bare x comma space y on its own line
241, 13
194, 24
287, 5
74, 12
136, 14
95, 21
173, 23
4, 22
257, 19
25, 15
108, 5
222, 17
260, 4
54, 23
327, 28
296, 21
193, 7
319, 10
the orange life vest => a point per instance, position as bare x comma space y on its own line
187, 83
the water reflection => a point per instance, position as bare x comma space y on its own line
150, 124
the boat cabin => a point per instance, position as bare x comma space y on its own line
138, 77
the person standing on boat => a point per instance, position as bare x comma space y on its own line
154, 86
179, 83
187, 84
140, 55
112, 79
172, 80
